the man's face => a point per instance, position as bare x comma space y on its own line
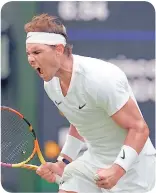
43, 59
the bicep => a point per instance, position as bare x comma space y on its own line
129, 116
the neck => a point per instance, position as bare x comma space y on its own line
65, 72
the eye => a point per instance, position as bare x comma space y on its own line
36, 52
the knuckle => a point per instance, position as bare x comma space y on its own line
38, 171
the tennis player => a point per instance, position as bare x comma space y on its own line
98, 102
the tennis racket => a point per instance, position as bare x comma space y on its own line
19, 144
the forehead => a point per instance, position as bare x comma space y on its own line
31, 47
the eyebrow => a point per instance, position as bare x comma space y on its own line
35, 49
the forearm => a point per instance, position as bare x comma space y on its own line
137, 136
134, 143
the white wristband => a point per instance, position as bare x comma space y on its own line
72, 147
126, 157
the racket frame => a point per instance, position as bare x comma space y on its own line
36, 149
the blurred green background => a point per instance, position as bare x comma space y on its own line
19, 90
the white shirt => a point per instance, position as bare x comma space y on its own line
97, 90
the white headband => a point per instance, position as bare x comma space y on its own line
45, 38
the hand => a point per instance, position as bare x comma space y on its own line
48, 170
108, 178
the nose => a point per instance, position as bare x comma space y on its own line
31, 60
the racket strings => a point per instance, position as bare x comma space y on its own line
17, 142
18, 149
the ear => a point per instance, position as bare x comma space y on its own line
59, 49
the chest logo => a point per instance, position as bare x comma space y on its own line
58, 103
80, 107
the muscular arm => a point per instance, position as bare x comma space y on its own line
129, 118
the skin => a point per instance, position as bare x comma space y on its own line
53, 63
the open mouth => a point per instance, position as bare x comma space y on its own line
39, 71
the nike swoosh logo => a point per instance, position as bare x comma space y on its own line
123, 157
80, 107
58, 103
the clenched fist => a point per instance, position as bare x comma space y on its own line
108, 178
48, 170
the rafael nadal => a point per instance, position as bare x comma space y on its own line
99, 104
